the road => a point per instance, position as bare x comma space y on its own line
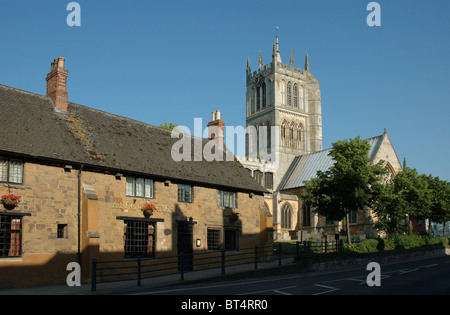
427, 276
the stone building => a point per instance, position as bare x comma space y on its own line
83, 176
284, 146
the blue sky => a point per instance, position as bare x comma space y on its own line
171, 61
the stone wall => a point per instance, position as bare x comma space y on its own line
50, 197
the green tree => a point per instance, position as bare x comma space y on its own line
168, 126
389, 210
439, 195
351, 184
408, 195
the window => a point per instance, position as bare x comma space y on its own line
299, 136
268, 180
184, 193
283, 132
11, 171
353, 217
213, 239
61, 231
10, 236
263, 89
231, 239
301, 92
258, 99
329, 221
291, 135
139, 187
139, 239
286, 216
289, 94
295, 95
306, 215
227, 199
257, 175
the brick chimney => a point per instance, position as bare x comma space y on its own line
57, 84
215, 128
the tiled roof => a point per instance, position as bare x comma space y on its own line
305, 167
31, 127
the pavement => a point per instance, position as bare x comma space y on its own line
154, 282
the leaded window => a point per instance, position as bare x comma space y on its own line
10, 236
139, 238
184, 193
286, 216
139, 187
11, 171
227, 199
213, 239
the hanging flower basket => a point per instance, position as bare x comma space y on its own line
10, 201
234, 216
148, 209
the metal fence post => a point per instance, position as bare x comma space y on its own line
223, 261
139, 272
182, 265
94, 275
279, 254
256, 256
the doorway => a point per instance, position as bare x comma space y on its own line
185, 243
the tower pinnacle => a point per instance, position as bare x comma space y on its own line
306, 63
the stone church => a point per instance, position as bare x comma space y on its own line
283, 104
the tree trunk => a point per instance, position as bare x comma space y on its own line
444, 232
347, 226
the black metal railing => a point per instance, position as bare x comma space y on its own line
138, 269
315, 247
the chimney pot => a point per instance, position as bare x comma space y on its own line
215, 128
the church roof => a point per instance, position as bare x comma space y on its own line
305, 167
31, 127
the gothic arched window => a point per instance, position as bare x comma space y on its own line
263, 91
283, 132
269, 138
301, 97
291, 135
387, 178
306, 215
299, 136
289, 94
258, 98
295, 95
286, 216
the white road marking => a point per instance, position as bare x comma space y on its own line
277, 290
331, 289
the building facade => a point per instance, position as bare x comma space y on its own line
83, 177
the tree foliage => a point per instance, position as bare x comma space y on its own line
351, 184
168, 126
411, 194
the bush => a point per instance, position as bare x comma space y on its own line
367, 246
401, 242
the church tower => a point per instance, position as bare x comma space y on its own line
284, 104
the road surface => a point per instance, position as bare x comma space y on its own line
427, 276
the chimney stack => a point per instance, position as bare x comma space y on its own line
57, 84
215, 129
